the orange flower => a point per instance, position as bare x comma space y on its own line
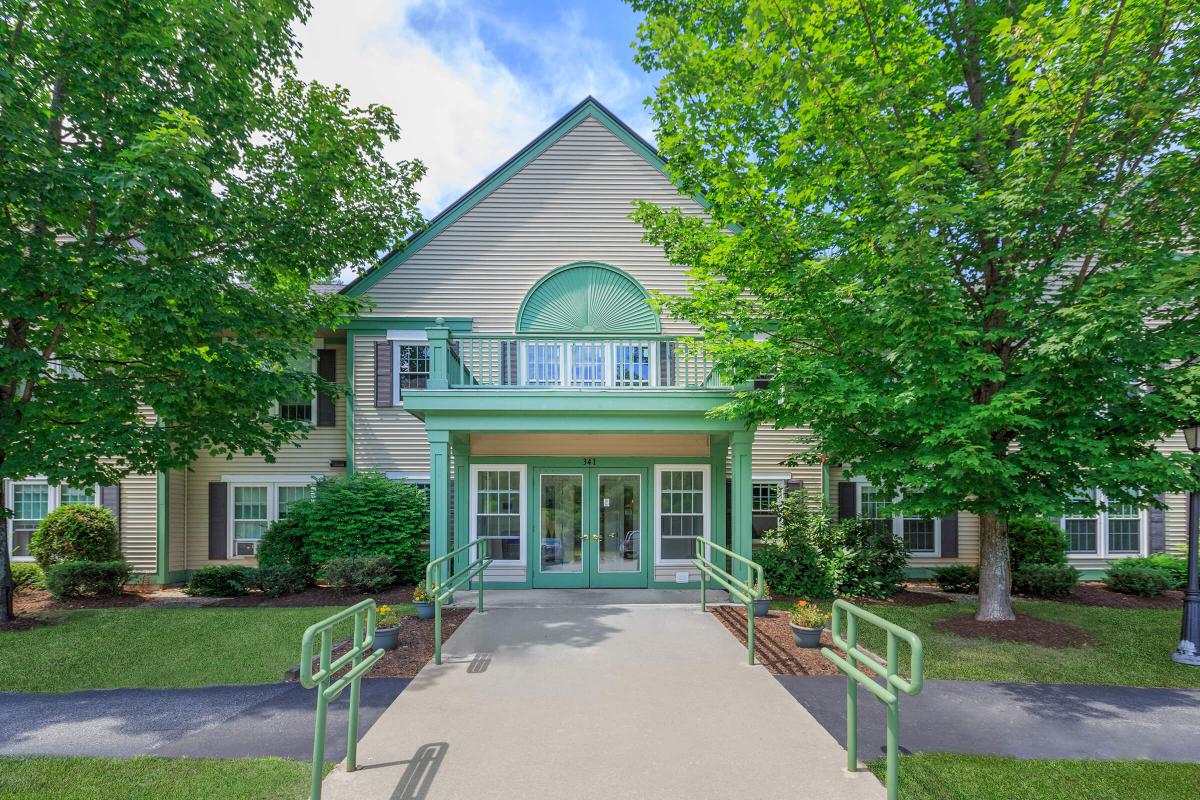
801, 602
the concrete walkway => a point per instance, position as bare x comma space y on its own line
273, 719
1017, 719
572, 701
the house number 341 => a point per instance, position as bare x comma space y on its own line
589, 462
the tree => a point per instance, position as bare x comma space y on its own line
968, 228
169, 194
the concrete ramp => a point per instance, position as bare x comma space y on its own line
605, 701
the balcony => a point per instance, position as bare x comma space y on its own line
569, 362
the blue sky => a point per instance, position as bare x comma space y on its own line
473, 82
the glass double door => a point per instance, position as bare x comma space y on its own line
589, 530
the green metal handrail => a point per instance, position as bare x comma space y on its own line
742, 591
360, 648
442, 585
887, 693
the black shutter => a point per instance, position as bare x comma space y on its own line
666, 363
1158, 528
110, 498
847, 500
218, 520
950, 536
383, 374
510, 362
327, 370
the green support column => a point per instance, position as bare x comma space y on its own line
741, 535
439, 495
461, 449
719, 451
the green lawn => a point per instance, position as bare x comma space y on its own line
48, 778
1133, 647
157, 648
946, 776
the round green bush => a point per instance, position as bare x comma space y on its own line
1036, 540
960, 578
366, 514
788, 554
88, 578
221, 580
282, 546
76, 532
1137, 579
1045, 580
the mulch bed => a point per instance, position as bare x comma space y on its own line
316, 596
28, 601
774, 647
415, 648
1024, 629
1097, 594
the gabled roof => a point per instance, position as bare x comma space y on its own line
590, 107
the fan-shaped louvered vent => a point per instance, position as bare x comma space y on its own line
587, 298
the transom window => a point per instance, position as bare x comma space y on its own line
254, 506
30, 502
682, 511
498, 517
1110, 529
921, 536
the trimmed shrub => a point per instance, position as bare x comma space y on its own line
95, 578
366, 514
276, 580
1044, 580
1174, 566
76, 532
1036, 540
961, 578
788, 554
365, 574
860, 560
283, 546
227, 580
1138, 579
25, 574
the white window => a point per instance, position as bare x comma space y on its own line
410, 367
1115, 529
588, 364
764, 502
922, 536
30, 501
498, 511
253, 506
680, 511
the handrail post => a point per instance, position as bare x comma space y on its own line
352, 726
318, 761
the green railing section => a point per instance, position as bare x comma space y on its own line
359, 659
743, 591
893, 681
442, 585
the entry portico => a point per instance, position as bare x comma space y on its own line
584, 459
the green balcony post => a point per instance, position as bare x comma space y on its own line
718, 453
439, 497
439, 356
741, 535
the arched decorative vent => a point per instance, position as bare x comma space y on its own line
587, 298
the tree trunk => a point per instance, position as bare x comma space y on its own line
995, 573
7, 589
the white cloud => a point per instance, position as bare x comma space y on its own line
461, 109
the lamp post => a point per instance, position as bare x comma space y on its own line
1189, 636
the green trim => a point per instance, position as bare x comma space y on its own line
588, 109
379, 326
349, 403
162, 554
544, 286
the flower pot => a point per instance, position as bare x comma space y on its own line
806, 637
424, 609
762, 607
386, 638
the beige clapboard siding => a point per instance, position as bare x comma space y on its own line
177, 530
139, 521
388, 439
309, 457
571, 203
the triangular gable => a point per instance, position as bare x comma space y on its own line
590, 107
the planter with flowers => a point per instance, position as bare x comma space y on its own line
807, 622
422, 602
762, 605
387, 628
